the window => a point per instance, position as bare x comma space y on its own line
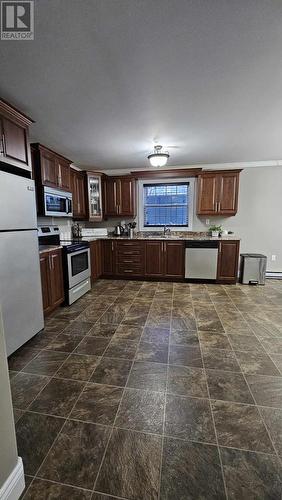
165, 204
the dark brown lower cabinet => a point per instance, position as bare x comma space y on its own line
96, 259
51, 280
227, 264
164, 259
108, 257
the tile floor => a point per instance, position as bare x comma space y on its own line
150, 391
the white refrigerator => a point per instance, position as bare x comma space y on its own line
20, 284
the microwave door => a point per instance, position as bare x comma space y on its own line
55, 205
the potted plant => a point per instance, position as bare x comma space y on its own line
215, 231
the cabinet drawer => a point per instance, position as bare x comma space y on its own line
130, 269
129, 244
129, 259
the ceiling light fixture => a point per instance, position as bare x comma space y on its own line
158, 158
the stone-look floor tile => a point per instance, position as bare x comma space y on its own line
240, 426
155, 334
41, 340
256, 363
64, 343
17, 414
124, 349
228, 386
131, 467
27, 480
183, 324
58, 397
187, 381
220, 359
103, 330
145, 375
267, 391
12, 374
213, 325
190, 471
78, 328
149, 351
95, 346
112, 371
250, 475
78, 367
272, 345
141, 410
76, 456
184, 337
273, 420
114, 315
189, 419
214, 340
98, 403
35, 436
98, 496
277, 359
185, 355
45, 490
136, 316
46, 363
127, 332
56, 325
21, 358
245, 343
25, 387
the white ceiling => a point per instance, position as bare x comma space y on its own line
106, 79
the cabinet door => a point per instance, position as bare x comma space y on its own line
63, 174
207, 194
45, 282
174, 259
228, 186
154, 258
74, 190
80, 180
126, 197
48, 169
94, 187
111, 203
227, 266
56, 277
16, 147
95, 256
108, 257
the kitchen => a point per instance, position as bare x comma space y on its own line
140, 281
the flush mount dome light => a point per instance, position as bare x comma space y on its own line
158, 158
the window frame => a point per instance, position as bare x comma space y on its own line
186, 180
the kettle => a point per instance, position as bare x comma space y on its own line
119, 230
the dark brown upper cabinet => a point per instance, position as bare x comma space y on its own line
94, 199
78, 189
14, 137
218, 192
120, 196
50, 168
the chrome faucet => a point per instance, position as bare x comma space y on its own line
166, 230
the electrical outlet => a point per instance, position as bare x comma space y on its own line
207, 222
273, 257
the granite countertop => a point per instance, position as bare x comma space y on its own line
48, 248
172, 237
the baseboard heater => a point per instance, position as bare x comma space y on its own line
273, 275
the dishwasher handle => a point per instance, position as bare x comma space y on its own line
201, 244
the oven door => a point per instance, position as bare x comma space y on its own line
78, 266
57, 204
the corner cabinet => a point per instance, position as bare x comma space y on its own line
120, 196
14, 137
94, 196
51, 280
164, 259
218, 192
227, 264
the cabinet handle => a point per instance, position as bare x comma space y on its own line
2, 150
219, 206
112, 246
127, 271
53, 265
50, 263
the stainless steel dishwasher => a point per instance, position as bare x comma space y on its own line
201, 259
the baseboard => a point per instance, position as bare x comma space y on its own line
14, 484
273, 275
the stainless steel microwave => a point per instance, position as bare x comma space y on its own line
57, 203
